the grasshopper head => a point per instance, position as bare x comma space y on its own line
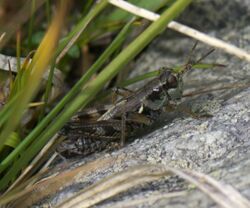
175, 87
170, 89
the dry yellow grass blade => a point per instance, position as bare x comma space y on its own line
47, 47
2, 36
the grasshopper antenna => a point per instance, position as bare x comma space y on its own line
189, 64
191, 53
207, 54
204, 56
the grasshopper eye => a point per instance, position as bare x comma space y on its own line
172, 81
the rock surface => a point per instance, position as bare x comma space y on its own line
218, 145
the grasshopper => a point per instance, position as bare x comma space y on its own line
120, 120
139, 109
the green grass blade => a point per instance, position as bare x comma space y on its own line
48, 89
139, 78
6, 111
